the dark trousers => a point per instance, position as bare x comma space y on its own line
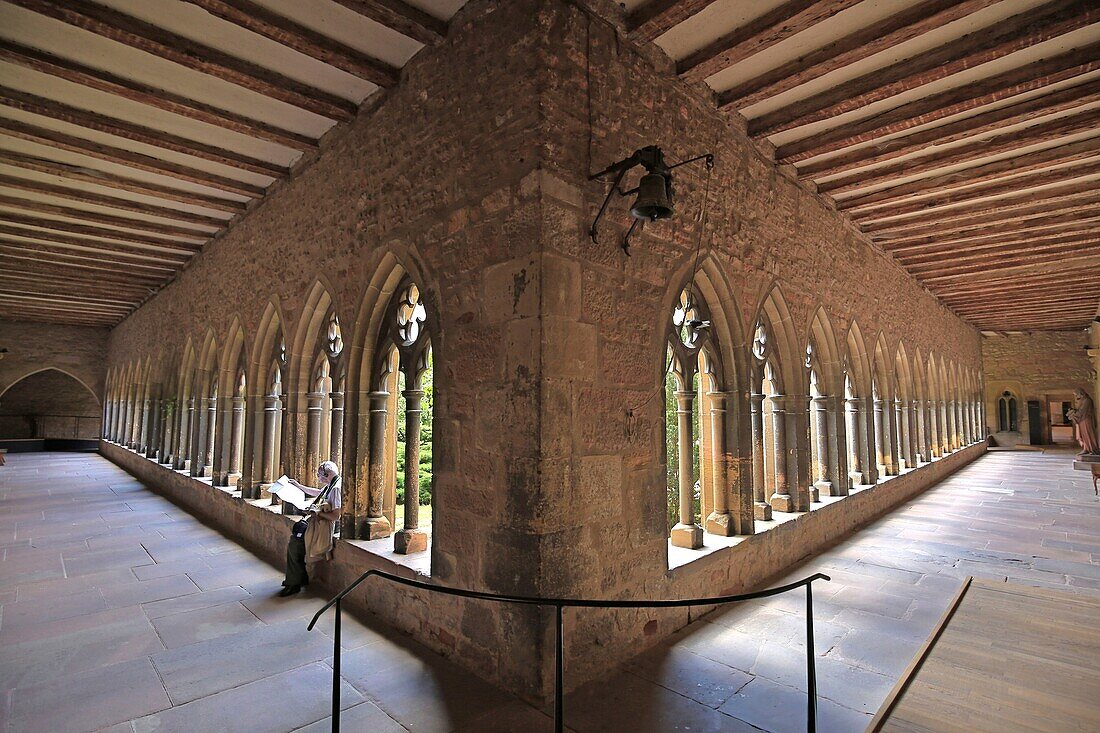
296, 562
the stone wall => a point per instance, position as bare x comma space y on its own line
49, 404
1040, 367
548, 348
78, 351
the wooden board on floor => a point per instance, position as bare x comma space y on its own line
1011, 657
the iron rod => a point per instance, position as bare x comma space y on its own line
559, 671
336, 673
811, 668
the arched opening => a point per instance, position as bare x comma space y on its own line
1007, 413
50, 405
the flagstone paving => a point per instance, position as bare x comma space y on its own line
121, 613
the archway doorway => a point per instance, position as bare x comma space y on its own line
49, 410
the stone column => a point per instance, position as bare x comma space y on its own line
901, 421
762, 509
236, 440
273, 408
183, 440
411, 538
781, 499
314, 409
719, 521
211, 431
143, 437
912, 439
198, 435
819, 406
945, 440
952, 431
881, 449
336, 432
377, 525
851, 428
152, 443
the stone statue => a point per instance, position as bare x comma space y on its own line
1083, 417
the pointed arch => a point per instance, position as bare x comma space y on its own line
825, 372
264, 448
233, 370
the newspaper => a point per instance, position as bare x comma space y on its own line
291, 494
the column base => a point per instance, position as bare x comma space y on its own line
856, 477
815, 495
687, 535
782, 503
822, 488
762, 512
719, 524
408, 541
376, 528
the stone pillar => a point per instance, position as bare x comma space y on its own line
781, 499
912, 455
819, 406
881, 450
952, 429
851, 428
273, 408
719, 522
143, 436
198, 435
377, 525
686, 533
236, 440
183, 440
411, 538
762, 509
152, 439
336, 433
901, 427
208, 441
945, 440
314, 410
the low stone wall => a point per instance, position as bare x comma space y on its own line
591, 649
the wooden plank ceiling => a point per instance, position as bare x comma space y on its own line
961, 136
133, 131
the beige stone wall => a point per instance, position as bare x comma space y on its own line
1042, 367
549, 447
49, 404
78, 351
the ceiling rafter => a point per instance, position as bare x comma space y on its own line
122, 183
153, 39
143, 225
953, 101
401, 17
1014, 34
659, 16
115, 235
122, 156
778, 24
262, 21
105, 81
976, 125
1008, 209
856, 46
112, 202
1044, 132
43, 107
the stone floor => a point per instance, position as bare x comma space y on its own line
121, 613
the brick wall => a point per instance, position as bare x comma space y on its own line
49, 404
78, 351
1041, 367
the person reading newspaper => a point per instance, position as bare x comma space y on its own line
311, 537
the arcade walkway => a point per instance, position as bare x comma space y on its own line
120, 613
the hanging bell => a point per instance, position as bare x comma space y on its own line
654, 198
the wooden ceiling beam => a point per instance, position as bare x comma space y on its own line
111, 202
38, 317
1052, 282
143, 241
178, 257
1021, 31
856, 46
759, 34
1057, 263
979, 283
1001, 210
953, 101
155, 40
1052, 131
105, 81
129, 158
1014, 231
1053, 102
1024, 304
34, 257
41, 106
66, 297
657, 17
401, 17
987, 172
1008, 250
142, 225
57, 283
996, 187
306, 41
110, 180
1053, 313
65, 304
